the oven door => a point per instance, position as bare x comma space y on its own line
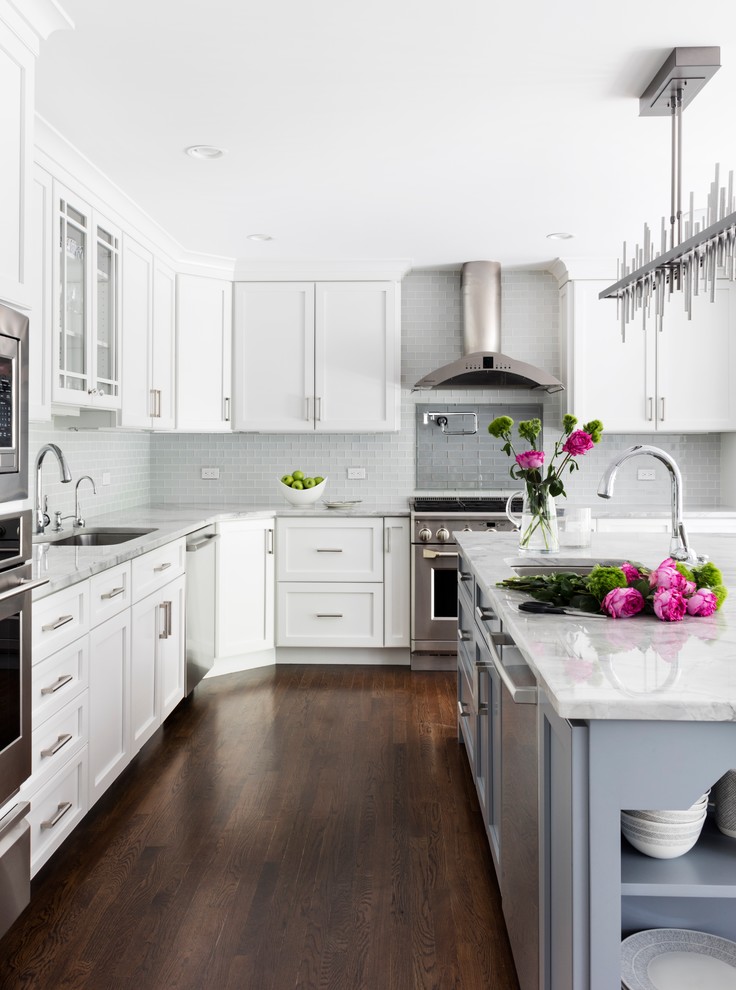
434, 598
15, 679
13, 404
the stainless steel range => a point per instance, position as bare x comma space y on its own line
434, 569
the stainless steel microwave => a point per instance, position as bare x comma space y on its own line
13, 405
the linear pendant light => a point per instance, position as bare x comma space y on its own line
680, 265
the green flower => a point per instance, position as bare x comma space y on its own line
569, 422
721, 593
601, 580
685, 571
707, 576
530, 429
500, 427
595, 429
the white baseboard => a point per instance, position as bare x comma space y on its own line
376, 657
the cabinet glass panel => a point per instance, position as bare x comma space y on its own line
73, 308
106, 313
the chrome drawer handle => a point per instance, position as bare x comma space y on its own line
59, 683
60, 742
113, 594
61, 810
431, 554
194, 547
329, 615
163, 567
329, 549
61, 621
166, 609
461, 710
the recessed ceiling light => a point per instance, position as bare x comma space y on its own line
207, 151
260, 237
560, 235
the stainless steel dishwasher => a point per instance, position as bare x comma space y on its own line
200, 615
519, 807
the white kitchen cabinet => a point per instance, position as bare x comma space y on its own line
17, 88
341, 549
109, 702
318, 356
203, 354
148, 329
157, 660
330, 615
40, 237
396, 581
57, 808
244, 587
676, 380
86, 302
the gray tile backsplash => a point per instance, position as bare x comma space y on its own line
166, 467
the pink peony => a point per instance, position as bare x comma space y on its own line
667, 576
632, 574
620, 603
579, 442
530, 460
702, 602
669, 604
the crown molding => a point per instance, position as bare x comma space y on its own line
383, 270
34, 20
575, 269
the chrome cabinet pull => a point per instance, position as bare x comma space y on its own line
226, 417
431, 554
61, 810
166, 609
169, 614
318, 410
158, 403
61, 621
662, 414
113, 594
155, 403
59, 744
58, 683
485, 614
329, 615
461, 713
163, 567
269, 541
388, 539
329, 549
193, 547
650, 402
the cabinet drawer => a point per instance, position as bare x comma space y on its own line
316, 550
57, 808
60, 619
57, 739
327, 615
58, 679
155, 569
109, 593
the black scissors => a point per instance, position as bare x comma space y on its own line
546, 608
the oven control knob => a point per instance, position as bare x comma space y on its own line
443, 534
425, 535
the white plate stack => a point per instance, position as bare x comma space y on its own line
665, 834
677, 959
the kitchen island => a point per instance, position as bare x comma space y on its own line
632, 713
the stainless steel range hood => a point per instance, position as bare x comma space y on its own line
483, 364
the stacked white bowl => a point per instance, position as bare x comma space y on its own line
665, 834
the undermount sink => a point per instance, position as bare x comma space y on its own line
543, 564
98, 537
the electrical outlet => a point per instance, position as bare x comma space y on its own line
210, 474
356, 474
105, 477
645, 474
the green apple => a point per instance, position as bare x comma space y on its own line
298, 485
298, 475
288, 479
310, 482
318, 479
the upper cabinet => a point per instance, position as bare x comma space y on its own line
40, 236
87, 305
676, 379
16, 87
316, 356
203, 358
148, 330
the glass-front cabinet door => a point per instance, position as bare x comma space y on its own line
87, 312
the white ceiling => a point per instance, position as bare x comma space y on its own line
429, 130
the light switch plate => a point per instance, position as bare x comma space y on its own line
210, 474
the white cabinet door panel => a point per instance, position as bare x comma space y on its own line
109, 701
328, 615
148, 623
163, 350
397, 570
344, 550
137, 316
203, 358
245, 591
171, 655
42, 281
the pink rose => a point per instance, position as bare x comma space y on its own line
620, 603
579, 442
530, 460
702, 602
669, 604
632, 574
667, 576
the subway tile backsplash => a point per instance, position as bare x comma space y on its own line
165, 468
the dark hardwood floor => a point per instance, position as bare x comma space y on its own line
303, 827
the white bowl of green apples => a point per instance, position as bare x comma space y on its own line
301, 489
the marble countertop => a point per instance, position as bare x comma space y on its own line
635, 668
64, 566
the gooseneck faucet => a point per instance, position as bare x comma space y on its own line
78, 521
680, 548
41, 519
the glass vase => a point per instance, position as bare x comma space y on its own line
538, 524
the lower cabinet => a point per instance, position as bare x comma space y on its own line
109, 693
245, 587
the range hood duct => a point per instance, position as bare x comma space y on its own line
483, 364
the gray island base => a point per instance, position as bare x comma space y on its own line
630, 713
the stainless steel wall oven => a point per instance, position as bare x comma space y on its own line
13, 405
434, 570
